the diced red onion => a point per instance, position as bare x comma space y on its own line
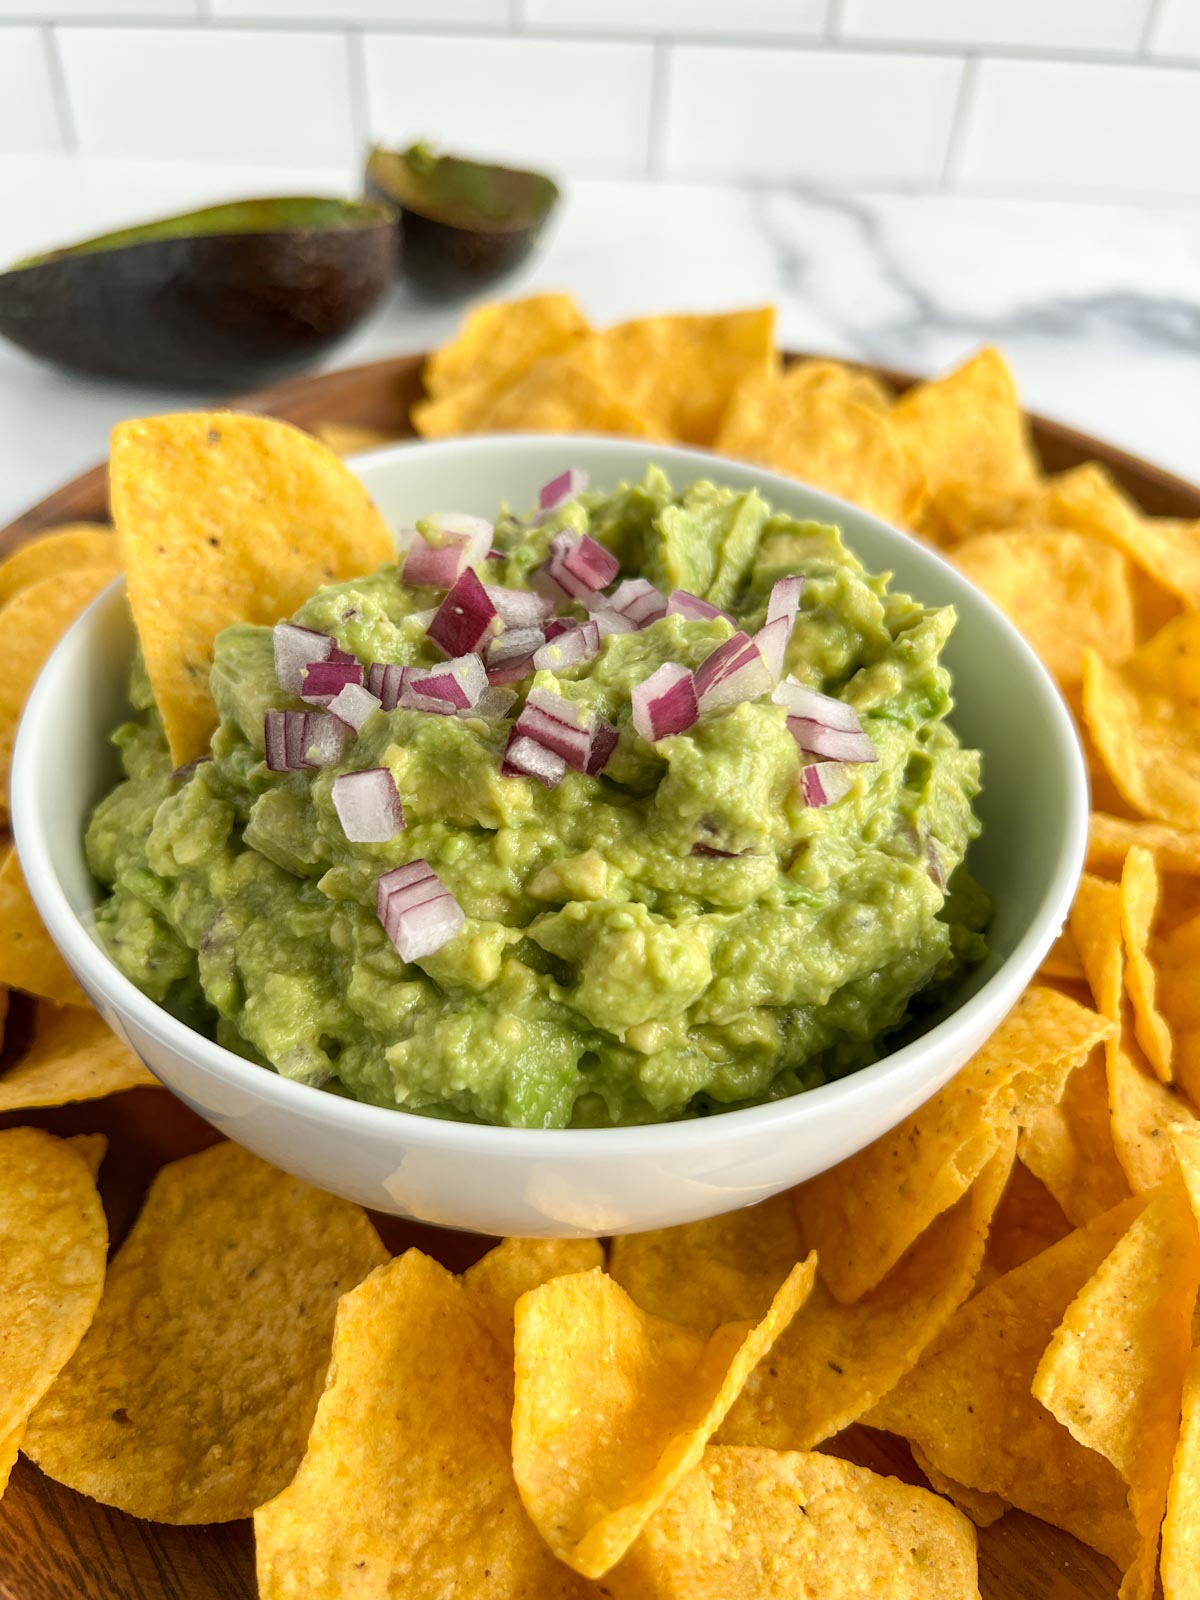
323, 679
324, 739
560, 724
385, 680
493, 704
514, 644
817, 740
419, 915
664, 704
474, 533
353, 705
295, 740
526, 758
513, 672
690, 606
604, 741
639, 600
496, 555
772, 642
466, 618
557, 625
579, 565
275, 739
188, 770
785, 600
824, 782
559, 490
711, 850
799, 701
519, 608
570, 649
368, 805
733, 672
296, 648
427, 567
608, 622
446, 689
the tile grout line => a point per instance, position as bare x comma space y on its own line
656, 132
64, 110
959, 123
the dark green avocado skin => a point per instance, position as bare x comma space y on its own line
218, 312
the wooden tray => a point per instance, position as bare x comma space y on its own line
56, 1544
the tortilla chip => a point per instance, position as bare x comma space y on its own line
653, 1394
1062, 960
500, 341
806, 1525
983, 1509
70, 548
1181, 1526
73, 1055
31, 624
1027, 1221
498, 1280
1063, 591
964, 509
1144, 719
406, 1487
562, 394
92, 1148
245, 516
826, 436
1177, 951
191, 1396
53, 1244
29, 960
1069, 1146
967, 1403
1113, 1372
348, 439
864, 1214
834, 1362
1111, 838
10, 1449
968, 428
1140, 894
681, 372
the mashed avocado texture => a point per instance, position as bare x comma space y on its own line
607, 972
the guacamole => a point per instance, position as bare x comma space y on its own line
685, 932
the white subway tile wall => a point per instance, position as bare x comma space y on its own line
1063, 97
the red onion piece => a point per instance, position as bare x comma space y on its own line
353, 705
466, 618
785, 600
639, 600
690, 606
733, 672
519, 608
459, 527
514, 644
559, 724
324, 738
559, 490
419, 915
815, 739
275, 740
446, 689
295, 649
526, 758
493, 704
824, 782
608, 622
557, 625
570, 649
604, 741
496, 555
368, 805
323, 679
385, 680
664, 704
513, 672
294, 725
799, 701
772, 642
711, 850
428, 568
589, 563
295, 740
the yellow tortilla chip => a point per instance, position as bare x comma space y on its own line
70, 548
1069, 1146
1113, 1372
1181, 1526
680, 372
31, 624
28, 958
1178, 956
758, 1525
652, 1393
1140, 894
1144, 720
826, 436
245, 516
968, 428
983, 1509
10, 1448
1027, 1221
562, 394
53, 1244
1063, 591
498, 1280
406, 1487
73, 1055
863, 1215
1111, 838
498, 342
348, 439
967, 1403
92, 1147
191, 1396
1062, 960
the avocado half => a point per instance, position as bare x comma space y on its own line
223, 298
462, 223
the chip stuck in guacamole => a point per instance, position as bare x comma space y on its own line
640, 807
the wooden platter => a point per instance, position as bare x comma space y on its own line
58, 1545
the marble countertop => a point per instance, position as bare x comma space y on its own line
1096, 306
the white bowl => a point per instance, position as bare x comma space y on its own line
564, 1182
